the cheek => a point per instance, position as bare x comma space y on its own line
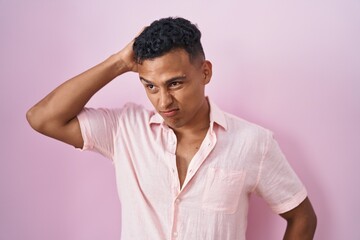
190, 96
195, 91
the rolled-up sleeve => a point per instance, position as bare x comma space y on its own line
99, 128
278, 184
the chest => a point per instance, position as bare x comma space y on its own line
185, 152
165, 162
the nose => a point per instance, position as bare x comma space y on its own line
165, 99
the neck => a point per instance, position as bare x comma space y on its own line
200, 123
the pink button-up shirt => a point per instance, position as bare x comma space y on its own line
235, 159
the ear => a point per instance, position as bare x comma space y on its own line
207, 71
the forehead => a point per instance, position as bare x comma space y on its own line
174, 62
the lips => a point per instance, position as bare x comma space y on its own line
169, 113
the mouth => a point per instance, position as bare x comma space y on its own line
169, 113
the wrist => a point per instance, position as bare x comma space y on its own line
118, 64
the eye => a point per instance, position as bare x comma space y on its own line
175, 84
151, 88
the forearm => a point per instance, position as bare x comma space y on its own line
67, 100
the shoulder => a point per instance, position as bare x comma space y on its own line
238, 125
136, 112
244, 137
135, 109
129, 115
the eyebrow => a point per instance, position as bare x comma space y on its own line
167, 81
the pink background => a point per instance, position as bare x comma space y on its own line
291, 66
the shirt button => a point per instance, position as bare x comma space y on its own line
175, 234
177, 201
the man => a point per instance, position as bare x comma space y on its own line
185, 170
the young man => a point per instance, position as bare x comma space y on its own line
185, 170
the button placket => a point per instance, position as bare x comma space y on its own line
204, 151
175, 227
172, 141
172, 145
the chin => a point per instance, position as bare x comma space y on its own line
174, 124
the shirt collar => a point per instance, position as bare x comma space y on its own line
216, 116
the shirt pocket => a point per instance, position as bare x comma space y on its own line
222, 190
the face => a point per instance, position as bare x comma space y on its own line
176, 88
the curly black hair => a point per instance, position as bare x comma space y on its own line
166, 34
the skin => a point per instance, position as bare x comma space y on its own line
175, 86
55, 115
301, 222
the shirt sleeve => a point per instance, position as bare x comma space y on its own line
278, 184
99, 128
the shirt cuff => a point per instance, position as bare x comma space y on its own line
84, 128
292, 203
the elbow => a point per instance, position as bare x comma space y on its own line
309, 223
309, 227
303, 228
301, 222
310, 220
30, 117
313, 222
33, 116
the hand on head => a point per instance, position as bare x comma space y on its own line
127, 55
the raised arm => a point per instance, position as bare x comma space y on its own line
55, 115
